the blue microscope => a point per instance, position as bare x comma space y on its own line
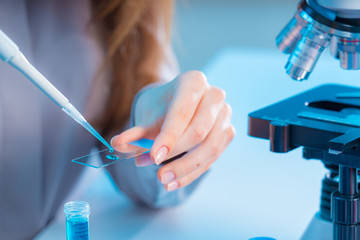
325, 121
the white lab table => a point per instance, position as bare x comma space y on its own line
250, 191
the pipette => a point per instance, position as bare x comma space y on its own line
10, 53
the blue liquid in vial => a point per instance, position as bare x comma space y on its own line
77, 220
77, 229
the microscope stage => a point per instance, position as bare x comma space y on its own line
325, 118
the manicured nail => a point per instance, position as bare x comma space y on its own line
143, 160
161, 154
111, 141
172, 186
167, 177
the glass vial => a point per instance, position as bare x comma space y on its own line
77, 220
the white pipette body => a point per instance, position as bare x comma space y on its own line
10, 53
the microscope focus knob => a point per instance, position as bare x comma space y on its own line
345, 211
279, 136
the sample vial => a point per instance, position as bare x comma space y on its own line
77, 220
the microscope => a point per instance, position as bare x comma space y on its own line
325, 121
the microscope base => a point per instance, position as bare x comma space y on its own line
318, 229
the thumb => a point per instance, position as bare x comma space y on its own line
118, 142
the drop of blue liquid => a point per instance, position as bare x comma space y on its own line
112, 157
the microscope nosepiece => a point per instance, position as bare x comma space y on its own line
312, 29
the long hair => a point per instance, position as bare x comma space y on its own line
129, 32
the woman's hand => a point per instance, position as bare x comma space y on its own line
184, 115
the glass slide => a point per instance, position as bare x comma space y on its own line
122, 152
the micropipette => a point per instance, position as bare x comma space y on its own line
10, 53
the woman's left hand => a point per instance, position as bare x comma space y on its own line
184, 115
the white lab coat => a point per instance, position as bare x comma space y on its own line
37, 140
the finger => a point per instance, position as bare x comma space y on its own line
203, 120
143, 160
119, 143
211, 148
129, 135
185, 170
192, 176
191, 87
183, 182
189, 178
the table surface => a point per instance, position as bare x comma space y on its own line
250, 191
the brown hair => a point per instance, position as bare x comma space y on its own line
129, 31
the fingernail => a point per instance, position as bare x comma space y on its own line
111, 141
143, 161
172, 186
161, 154
167, 177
